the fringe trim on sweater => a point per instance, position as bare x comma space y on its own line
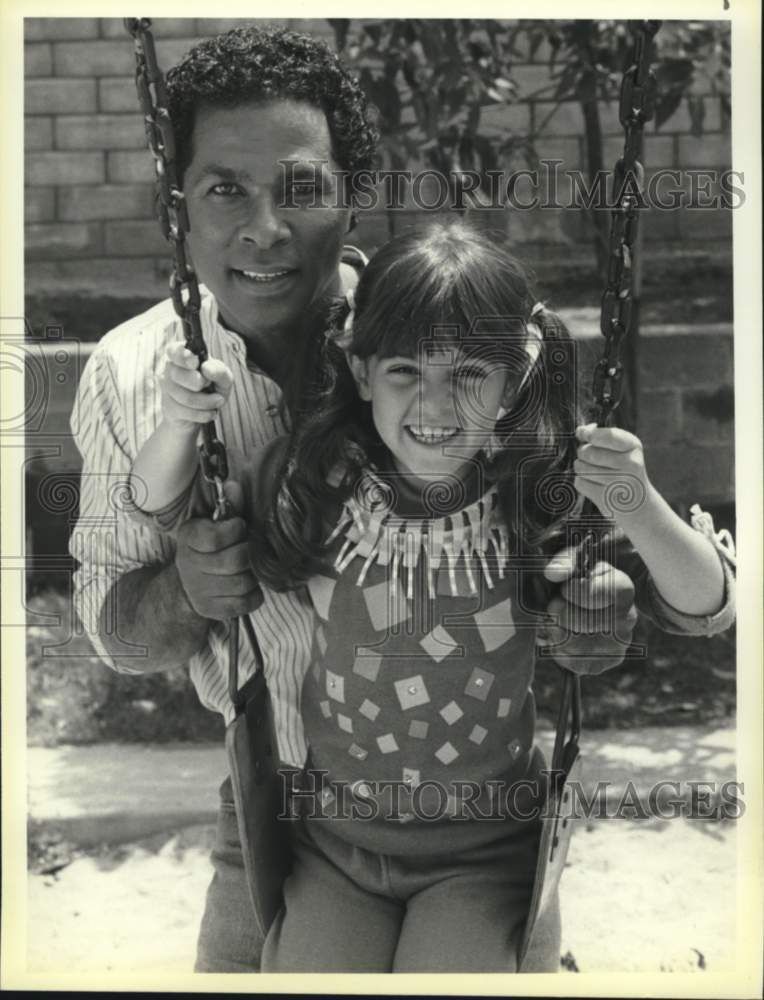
374, 533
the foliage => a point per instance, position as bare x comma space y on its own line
587, 60
431, 80
692, 57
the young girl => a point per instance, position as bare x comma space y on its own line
418, 498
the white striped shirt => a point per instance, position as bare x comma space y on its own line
118, 406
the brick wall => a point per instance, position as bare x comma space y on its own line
89, 218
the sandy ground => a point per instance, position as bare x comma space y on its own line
645, 896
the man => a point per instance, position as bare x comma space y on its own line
243, 105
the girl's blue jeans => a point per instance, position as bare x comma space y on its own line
351, 910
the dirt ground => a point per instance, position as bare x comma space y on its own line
645, 896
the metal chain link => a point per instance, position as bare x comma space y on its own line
637, 106
173, 220
184, 289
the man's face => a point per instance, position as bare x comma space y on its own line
256, 243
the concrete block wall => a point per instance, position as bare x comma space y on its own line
687, 412
686, 408
89, 204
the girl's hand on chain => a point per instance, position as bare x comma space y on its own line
610, 471
187, 401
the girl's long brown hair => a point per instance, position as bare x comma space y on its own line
446, 278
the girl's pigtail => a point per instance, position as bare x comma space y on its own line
317, 465
535, 468
551, 495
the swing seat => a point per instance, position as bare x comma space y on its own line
559, 812
556, 831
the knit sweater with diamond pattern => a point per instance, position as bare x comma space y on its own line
418, 705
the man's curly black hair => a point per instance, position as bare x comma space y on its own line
259, 64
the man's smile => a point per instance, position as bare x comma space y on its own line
263, 274
265, 281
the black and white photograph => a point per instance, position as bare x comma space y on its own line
382, 500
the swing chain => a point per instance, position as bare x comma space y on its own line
637, 106
174, 222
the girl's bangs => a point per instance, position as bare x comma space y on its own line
415, 305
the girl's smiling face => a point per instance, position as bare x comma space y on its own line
436, 411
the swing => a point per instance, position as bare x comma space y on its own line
250, 740
636, 108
